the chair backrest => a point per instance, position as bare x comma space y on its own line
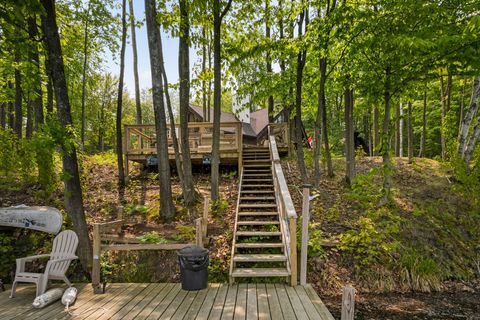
64, 245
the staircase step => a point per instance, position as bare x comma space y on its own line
257, 223
260, 272
257, 186
259, 245
257, 166
259, 160
256, 206
258, 233
257, 198
259, 258
258, 214
257, 174
258, 191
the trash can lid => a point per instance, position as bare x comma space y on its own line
192, 251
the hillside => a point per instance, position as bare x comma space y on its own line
425, 240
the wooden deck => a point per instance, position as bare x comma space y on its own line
168, 301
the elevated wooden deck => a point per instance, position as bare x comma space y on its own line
169, 301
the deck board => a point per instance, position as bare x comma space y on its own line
126, 301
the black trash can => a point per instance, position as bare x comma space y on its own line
193, 262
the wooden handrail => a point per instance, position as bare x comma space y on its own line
282, 183
288, 215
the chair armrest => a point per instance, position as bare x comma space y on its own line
30, 258
21, 261
62, 259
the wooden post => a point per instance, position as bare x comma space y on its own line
119, 217
305, 221
199, 232
206, 206
96, 260
293, 251
348, 303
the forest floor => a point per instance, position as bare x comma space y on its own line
420, 190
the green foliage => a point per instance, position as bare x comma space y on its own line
368, 243
365, 190
186, 233
315, 238
420, 273
8, 257
218, 207
26, 161
153, 237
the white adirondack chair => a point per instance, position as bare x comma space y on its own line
63, 252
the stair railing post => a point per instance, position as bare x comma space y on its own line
293, 251
97, 252
305, 222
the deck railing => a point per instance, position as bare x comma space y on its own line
287, 213
141, 138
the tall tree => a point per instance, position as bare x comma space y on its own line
167, 209
410, 133
376, 130
121, 172
84, 71
189, 194
218, 15
468, 118
349, 137
301, 58
423, 137
73, 190
138, 106
37, 102
17, 127
268, 59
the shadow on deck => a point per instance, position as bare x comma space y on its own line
169, 301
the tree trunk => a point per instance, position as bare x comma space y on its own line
48, 72
37, 102
397, 131
366, 130
101, 129
178, 156
462, 107
84, 74
376, 130
268, 59
209, 95
73, 191
386, 140
400, 131
29, 124
11, 114
410, 133
301, 57
121, 172
217, 94
3, 115
445, 101
138, 105
349, 137
167, 209
472, 142
423, 137
467, 120
189, 194
204, 82
17, 126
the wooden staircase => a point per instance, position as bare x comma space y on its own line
258, 248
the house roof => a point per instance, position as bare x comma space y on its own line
258, 120
224, 116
